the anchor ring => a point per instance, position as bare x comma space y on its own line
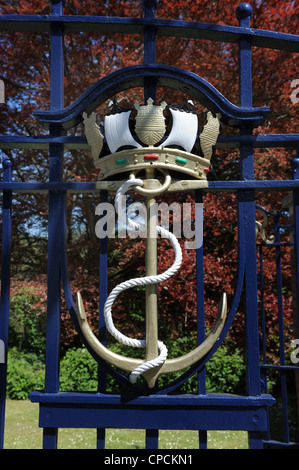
156, 191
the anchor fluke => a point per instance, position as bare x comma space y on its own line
170, 365
90, 339
80, 307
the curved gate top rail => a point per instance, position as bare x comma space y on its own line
152, 411
164, 75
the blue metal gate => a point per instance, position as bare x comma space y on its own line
155, 408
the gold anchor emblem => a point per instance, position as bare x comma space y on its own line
154, 365
150, 128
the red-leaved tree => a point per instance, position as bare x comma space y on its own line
25, 69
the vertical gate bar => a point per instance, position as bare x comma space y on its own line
244, 13
101, 437
152, 438
279, 291
57, 59
252, 329
56, 211
263, 319
50, 438
149, 48
200, 304
151, 298
245, 200
55, 202
5, 292
103, 289
151, 236
149, 32
151, 435
295, 168
263, 330
53, 297
283, 378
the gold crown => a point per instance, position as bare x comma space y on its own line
132, 154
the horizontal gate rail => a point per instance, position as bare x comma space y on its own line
80, 142
106, 24
231, 186
211, 411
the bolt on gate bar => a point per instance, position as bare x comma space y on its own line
202, 411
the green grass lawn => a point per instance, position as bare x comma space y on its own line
22, 432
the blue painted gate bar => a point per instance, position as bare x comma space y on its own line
161, 407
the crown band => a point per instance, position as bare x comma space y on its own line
159, 158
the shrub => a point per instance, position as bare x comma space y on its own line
27, 323
25, 373
225, 371
78, 371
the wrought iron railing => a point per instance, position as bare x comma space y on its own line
158, 408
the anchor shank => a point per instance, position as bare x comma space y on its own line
151, 269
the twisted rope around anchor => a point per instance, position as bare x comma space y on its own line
142, 281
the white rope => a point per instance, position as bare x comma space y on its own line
142, 281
